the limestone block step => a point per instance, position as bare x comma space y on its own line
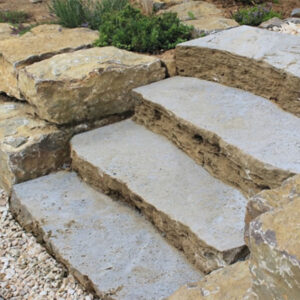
196, 212
263, 62
87, 84
230, 283
238, 137
42, 42
109, 247
29, 147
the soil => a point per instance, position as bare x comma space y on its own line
39, 12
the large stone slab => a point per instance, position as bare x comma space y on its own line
238, 137
108, 247
275, 253
29, 147
196, 212
87, 84
272, 199
262, 62
6, 31
231, 282
42, 42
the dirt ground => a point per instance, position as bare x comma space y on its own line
39, 12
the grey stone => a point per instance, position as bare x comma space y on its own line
271, 23
295, 13
196, 212
260, 61
106, 245
292, 20
242, 138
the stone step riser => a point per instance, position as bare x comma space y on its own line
205, 257
219, 158
226, 59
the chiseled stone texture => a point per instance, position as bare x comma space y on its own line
263, 62
271, 199
87, 84
275, 253
29, 147
110, 248
238, 137
229, 283
198, 213
40, 43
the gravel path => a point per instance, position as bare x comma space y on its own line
27, 271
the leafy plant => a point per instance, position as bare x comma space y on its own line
130, 29
255, 15
191, 15
13, 17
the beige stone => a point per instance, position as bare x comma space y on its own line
87, 84
42, 42
230, 283
253, 59
168, 60
271, 199
275, 253
29, 147
6, 31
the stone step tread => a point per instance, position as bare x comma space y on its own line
250, 123
104, 243
165, 178
282, 51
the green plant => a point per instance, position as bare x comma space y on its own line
13, 17
255, 15
191, 15
130, 29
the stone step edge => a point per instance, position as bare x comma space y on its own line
203, 256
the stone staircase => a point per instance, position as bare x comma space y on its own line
235, 144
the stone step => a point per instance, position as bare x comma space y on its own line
41, 42
230, 283
238, 137
87, 84
110, 248
263, 62
196, 212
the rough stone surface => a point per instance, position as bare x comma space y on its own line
238, 137
108, 247
271, 199
168, 60
29, 147
42, 42
275, 253
272, 23
263, 62
231, 282
295, 13
87, 84
6, 31
167, 186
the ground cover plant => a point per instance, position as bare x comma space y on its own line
131, 30
13, 17
254, 16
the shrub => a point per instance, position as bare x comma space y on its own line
13, 17
75, 13
255, 15
130, 29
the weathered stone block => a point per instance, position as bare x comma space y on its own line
196, 212
6, 31
263, 62
231, 282
29, 147
42, 42
238, 137
87, 84
275, 253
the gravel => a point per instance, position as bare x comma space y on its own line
27, 271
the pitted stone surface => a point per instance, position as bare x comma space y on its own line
195, 211
87, 84
239, 137
231, 282
260, 61
40, 43
29, 147
275, 253
106, 245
